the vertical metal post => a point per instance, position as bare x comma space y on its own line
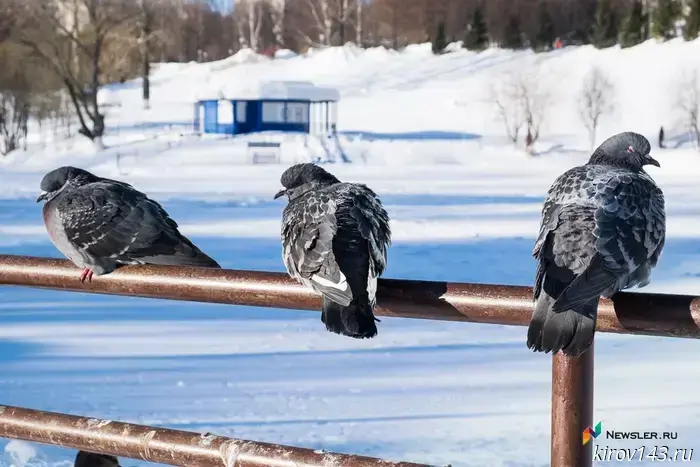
572, 409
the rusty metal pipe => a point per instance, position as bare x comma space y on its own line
631, 313
165, 446
572, 409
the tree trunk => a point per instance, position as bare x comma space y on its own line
395, 26
341, 25
358, 24
98, 127
146, 71
146, 31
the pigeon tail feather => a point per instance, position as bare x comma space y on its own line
570, 331
91, 459
355, 320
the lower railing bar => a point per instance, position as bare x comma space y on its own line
633, 313
572, 409
165, 446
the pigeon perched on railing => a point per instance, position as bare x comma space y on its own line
335, 237
90, 459
100, 224
603, 229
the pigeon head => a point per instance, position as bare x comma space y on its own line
55, 181
629, 150
301, 178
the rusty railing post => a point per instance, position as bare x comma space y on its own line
572, 409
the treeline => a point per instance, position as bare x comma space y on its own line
55, 54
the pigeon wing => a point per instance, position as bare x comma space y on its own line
109, 220
308, 230
630, 222
629, 234
558, 195
372, 223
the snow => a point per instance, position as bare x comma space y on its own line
20, 453
241, 57
290, 90
285, 53
420, 130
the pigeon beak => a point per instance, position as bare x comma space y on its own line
648, 160
280, 193
42, 197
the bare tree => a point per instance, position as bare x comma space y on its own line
16, 94
70, 37
389, 14
15, 106
688, 103
249, 20
595, 100
320, 11
331, 21
535, 100
342, 19
358, 22
505, 96
278, 10
521, 100
146, 22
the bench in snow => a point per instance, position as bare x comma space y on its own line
264, 152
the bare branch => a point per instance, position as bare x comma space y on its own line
595, 100
249, 19
505, 98
71, 39
521, 101
278, 10
688, 103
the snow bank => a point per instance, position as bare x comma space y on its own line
379, 53
242, 57
335, 56
284, 54
454, 46
425, 48
20, 452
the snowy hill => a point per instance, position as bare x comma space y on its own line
423, 131
398, 109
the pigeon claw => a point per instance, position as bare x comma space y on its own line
86, 274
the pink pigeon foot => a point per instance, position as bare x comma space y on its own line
86, 274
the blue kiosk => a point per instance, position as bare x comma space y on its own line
286, 106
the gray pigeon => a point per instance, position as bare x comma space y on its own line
89, 459
603, 229
100, 224
335, 237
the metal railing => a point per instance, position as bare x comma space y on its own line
572, 378
165, 446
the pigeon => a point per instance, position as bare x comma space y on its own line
89, 459
335, 237
100, 224
603, 229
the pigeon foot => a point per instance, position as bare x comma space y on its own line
86, 274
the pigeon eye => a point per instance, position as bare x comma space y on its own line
630, 149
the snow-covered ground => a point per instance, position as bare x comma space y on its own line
422, 132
